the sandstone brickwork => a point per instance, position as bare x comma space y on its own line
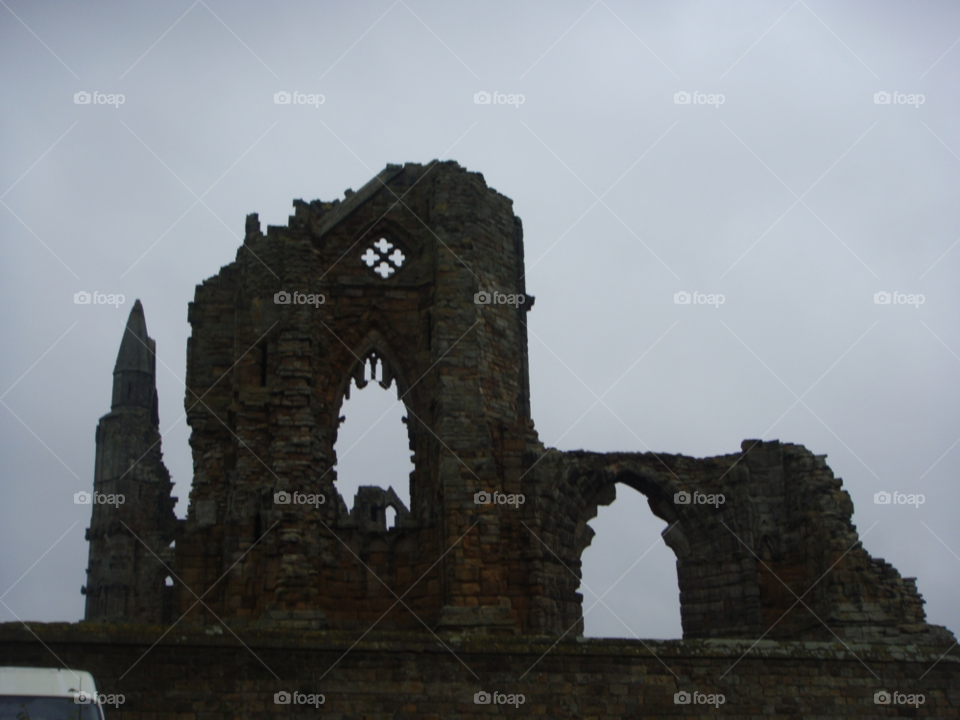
419, 276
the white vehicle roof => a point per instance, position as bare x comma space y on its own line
45, 682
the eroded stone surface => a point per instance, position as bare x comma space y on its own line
125, 582
267, 372
196, 674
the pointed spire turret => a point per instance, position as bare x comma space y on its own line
125, 583
134, 375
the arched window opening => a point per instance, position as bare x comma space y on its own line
391, 517
645, 598
168, 581
373, 447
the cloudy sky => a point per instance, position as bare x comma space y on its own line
787, 185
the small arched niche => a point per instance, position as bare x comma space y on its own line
373, 441
628, 564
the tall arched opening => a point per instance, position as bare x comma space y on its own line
629, 566
373, 441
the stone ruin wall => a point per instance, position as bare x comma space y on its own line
265, 384
785, 517
195, 674
287, 370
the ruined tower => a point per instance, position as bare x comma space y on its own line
394, 272
133, 520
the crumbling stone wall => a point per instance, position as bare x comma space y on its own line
399, 277
272, 378
197, 674
779, 557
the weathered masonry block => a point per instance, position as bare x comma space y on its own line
420, 276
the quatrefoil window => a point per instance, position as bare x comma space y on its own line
379, 258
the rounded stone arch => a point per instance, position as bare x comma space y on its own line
599, 488
691, 534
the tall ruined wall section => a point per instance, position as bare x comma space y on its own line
778, 558
266, 382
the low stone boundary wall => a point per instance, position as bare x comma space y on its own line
191, 673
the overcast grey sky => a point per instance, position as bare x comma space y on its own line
797, 198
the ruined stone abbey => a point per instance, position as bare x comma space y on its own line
401, 274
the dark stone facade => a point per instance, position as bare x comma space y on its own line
399, 265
